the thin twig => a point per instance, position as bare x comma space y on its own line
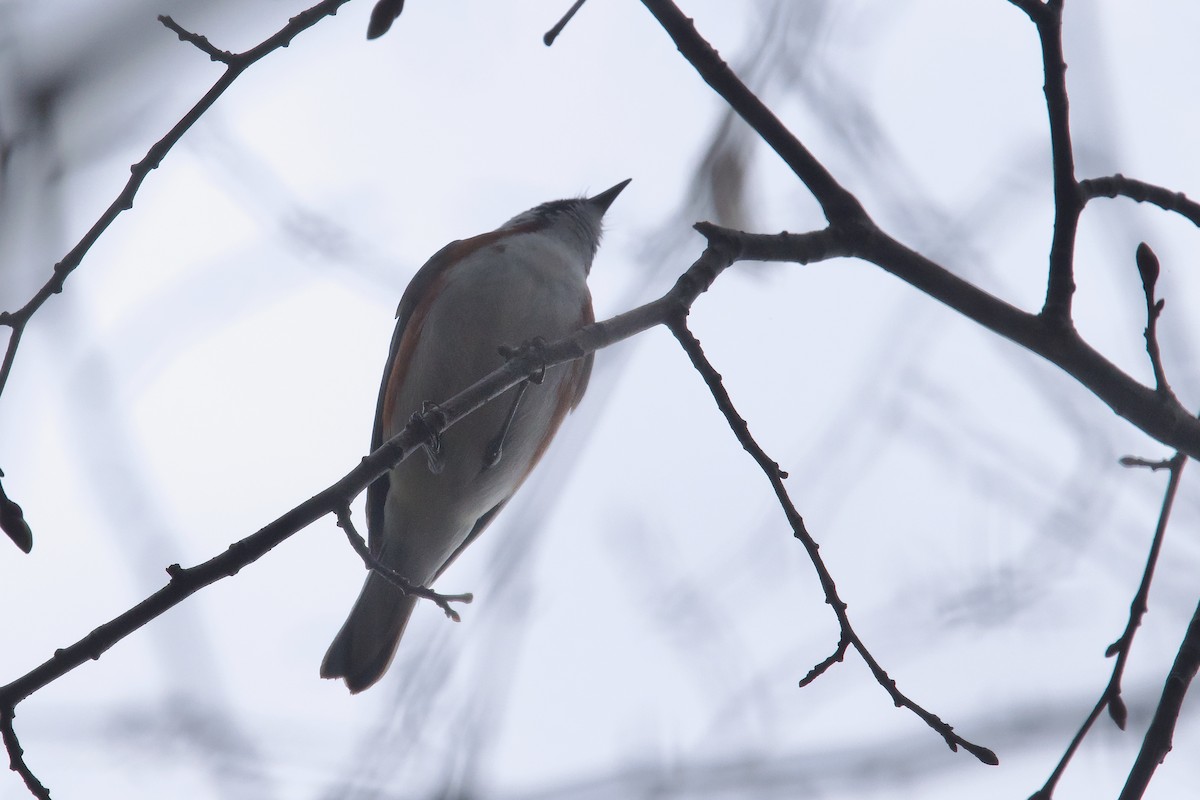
1050, 335
1153, 466
239, 63
372, 563
1157, 742
1141, 599
836, 657
553, 33
1110, 698
1118, 185
201, 43
837, 203
16, 755
427, 425
521, 367
677, 324
1158, 416
1068, 200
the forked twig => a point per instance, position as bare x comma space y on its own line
235, 65
372, 563
16, 755
1110, 698
677, 324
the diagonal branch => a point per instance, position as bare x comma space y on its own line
1110, 698
1118, 185
849, 638
838, 204
552, 34
1159, 416
443, 601
236, 64
1157, 742
16, 755
184, 582
1050, 333
201, 43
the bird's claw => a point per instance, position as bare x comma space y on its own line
433, 449
534, 348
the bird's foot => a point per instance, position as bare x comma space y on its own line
433, 450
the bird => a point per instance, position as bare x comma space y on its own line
523, 283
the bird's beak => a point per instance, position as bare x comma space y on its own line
605, 198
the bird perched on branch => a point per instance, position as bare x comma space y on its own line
524, 281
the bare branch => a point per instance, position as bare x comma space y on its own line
1157, 742
372, 563
16, 755
1050, 333
1110, 698
678, 326
1153, 466
201, 43
553, 33
838, 204
836, 657
1068, 200
1162, 418
1118, 185
235, 66
523, 365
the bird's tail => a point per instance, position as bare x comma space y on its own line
364, 647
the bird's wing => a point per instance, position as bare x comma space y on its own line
410, 314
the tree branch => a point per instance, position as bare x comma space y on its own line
16, 755
1068, 201
1110, 698
201, 43
1159, 416
678, 326
552, 34
183, 583
443, 601
1157, 742
1050, 333
1118, 185
236, 64
838, 204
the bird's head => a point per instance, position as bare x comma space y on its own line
578, 220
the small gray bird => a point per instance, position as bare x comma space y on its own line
526, 279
